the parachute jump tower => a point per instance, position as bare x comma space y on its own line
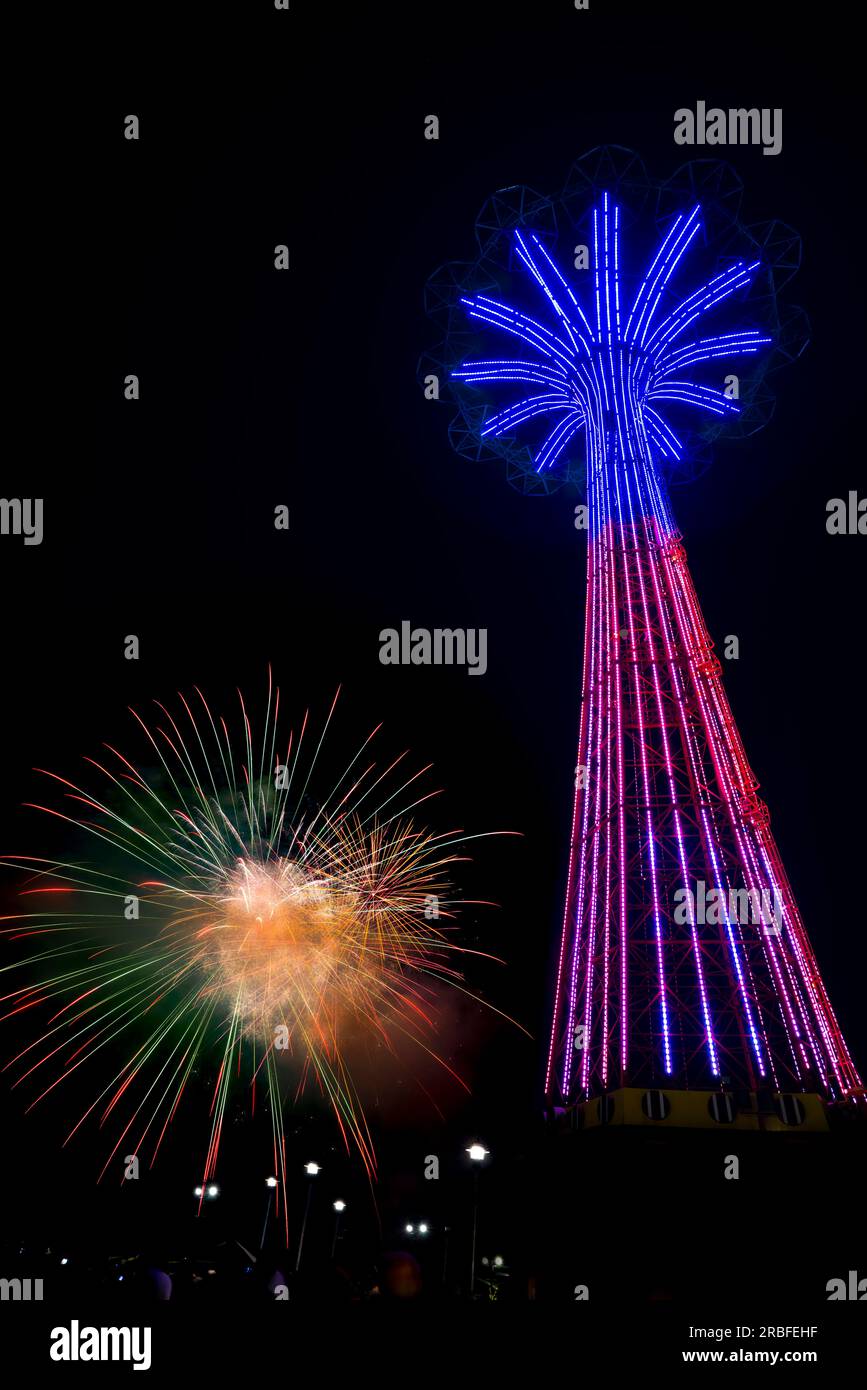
686, 988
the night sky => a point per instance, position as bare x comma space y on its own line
260, 388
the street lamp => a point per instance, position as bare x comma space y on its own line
340, 1208
271, 1184
311, 1169
478, 1153
422, 1229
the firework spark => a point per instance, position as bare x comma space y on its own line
232, 912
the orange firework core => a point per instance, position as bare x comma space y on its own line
284, 946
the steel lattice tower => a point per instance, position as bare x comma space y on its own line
684, 962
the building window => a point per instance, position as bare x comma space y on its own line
605, 1110
655, 1105
722, 1108
790, 1110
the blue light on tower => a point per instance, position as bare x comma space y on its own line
608, 373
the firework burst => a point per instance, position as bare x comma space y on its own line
234, 920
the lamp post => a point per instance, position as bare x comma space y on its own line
340, 1208
270, 1183
311, 1169
446, 1231
478, 1153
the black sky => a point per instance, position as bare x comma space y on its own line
258, 388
